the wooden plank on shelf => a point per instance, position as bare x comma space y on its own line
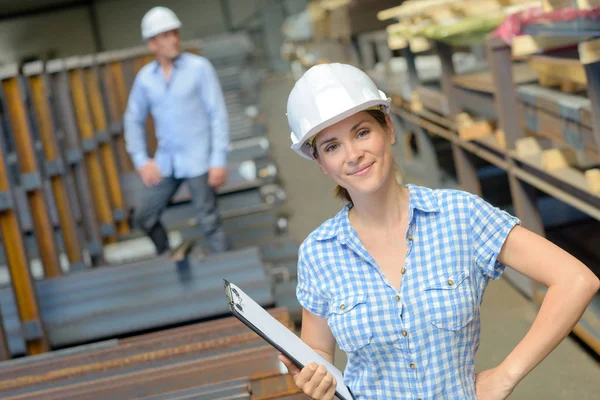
470, 129
412, 8
495, 141
559, 163
568, 73
526, 45
589, 51
443, 15
397, 43
473, 8
551, 121
558, 189
452, 137
553, 5
576, 106
419, 44
483, 81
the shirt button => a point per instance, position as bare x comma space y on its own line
404, 333
403, 271
343, 307
410, 238
398, 297
450, 282
413, 366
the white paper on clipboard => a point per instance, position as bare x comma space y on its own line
278, 335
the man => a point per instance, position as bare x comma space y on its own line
183, 93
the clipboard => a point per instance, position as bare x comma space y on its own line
279, 336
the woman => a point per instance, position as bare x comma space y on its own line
396, 278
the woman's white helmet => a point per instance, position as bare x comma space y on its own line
325, 95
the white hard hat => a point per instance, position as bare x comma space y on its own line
325, 95
159, 20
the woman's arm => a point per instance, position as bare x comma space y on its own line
317, 334
314, 380
571, 286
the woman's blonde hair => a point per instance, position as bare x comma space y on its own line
341, 192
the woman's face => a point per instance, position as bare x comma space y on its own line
357, 153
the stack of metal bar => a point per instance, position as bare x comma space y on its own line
213, 360
114, 301
67, 186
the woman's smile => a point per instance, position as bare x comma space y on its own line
363, 170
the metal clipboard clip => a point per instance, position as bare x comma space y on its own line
234, 298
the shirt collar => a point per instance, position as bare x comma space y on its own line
421, 198
176, 64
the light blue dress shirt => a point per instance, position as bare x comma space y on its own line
190, 117
417, 341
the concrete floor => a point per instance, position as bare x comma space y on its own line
568, 373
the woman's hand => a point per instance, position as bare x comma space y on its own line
492, 385
314, 380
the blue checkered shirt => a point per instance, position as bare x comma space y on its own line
419, 342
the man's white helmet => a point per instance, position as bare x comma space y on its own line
159, 20
325, 95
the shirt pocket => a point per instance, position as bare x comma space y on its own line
350, 323
450, 301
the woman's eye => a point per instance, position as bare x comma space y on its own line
363, 133
331, 147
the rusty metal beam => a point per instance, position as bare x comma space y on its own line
123, 362
236, 389
39, 92
115, 116
30, 176
131, 356
71, 146
21, 281
89, 145
4, 350
254, 363
97, 106
114, 349
273, 387
116, 74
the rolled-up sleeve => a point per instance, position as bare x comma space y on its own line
214, 102
134, 120
490, 226
308, 292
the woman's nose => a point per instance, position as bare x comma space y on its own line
353, 153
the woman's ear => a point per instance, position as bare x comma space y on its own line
390, 129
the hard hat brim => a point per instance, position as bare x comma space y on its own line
303, 149
166, 28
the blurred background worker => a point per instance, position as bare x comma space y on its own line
183, 93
